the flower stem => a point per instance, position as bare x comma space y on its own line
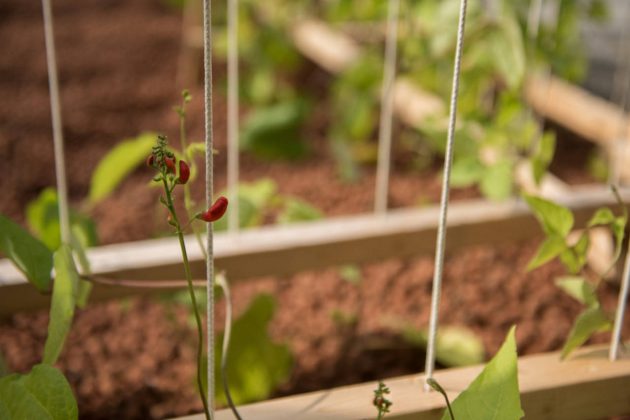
191, 291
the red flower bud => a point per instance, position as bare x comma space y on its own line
216, 211
150, 160
170, 164
184, 172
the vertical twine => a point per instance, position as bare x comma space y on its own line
615, 339
55, 111
232, 116
387, 105
207, 66
441, 235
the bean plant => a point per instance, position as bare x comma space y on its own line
557, 223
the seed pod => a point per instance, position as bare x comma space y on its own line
216, 211
184, 172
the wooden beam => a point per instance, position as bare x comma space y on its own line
588, 386
284, 250
585, 114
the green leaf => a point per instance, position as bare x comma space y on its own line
589, 322
274, 132
466, 171
65, 291
506, 45
43, 394
296, 210
42, 215
350, 273
554, 218
28, 254
574, 258
256, 365
254, 199
455, 346
541, 160
547, 251
118, 163
603, 216
496, 183
494, 394
578, 288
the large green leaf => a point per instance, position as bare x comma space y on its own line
580, 289
28, 254
589, 322
466, 171
547, 251
119, 163
256, 365
42, 394
65, 291
554, 218
494, 394
254, 199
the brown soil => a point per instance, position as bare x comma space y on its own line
135, 358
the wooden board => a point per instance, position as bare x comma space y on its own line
284, 250
585, 387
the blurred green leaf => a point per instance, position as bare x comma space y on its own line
541, 160
466, 171
455, 346
552, 247
592, 320
118, 163
254, 199
256, 365
494, 394
64, 297
297, 210
579, 288
273, 132
42, 215
496, 182
28, 254
42, 394
555, 219
350, 273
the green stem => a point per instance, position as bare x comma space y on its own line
191, 291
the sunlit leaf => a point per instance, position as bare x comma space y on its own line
579, 288
118, 163
28, 254
494, 394
547, 251
454, 346
554, 218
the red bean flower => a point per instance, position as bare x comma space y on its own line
170, 164
151, 160
184, 172
216, 211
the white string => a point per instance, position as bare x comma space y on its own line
232, 116
207, 66
615, 339
441, 235
387, 105
55, 111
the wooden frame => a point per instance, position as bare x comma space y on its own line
284, 250
585, 387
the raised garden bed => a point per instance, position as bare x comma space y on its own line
280, 252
